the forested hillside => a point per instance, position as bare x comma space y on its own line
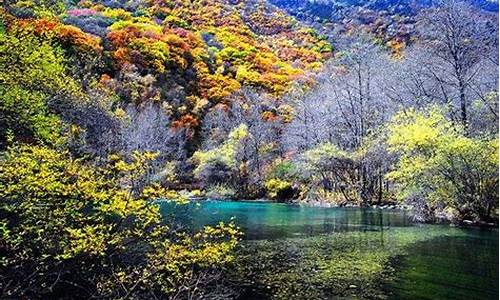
109, 105
393, 23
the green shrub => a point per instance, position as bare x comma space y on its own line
69, 227
221, 191
443, 165
278, 189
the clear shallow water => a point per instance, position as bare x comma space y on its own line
439, 261
449, 268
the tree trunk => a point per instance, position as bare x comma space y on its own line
463, 105
380, 183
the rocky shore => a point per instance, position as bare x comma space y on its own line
326, 204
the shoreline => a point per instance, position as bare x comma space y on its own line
385, 206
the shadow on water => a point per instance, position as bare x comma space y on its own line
449, 267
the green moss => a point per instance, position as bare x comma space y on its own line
351, 265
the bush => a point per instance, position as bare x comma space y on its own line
220, 165
32, 71
332, 169
279, 189
68, 228
221, 192
439, 161
283, 170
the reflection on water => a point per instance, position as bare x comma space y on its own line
260, 220
447, 263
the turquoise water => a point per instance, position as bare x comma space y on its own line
419, 262
265, 220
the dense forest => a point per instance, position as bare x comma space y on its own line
109, 105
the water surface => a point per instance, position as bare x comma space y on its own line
426, 261
267, 220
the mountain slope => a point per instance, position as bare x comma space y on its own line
391, 21
188, 55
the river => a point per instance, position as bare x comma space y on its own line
300, 252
